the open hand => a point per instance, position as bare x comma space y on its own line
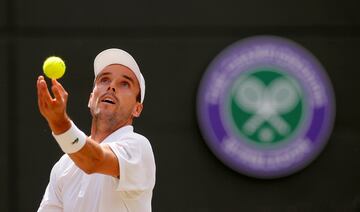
53, 109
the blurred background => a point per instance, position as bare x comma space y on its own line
173, 42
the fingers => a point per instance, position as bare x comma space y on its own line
40, 101
44, 96
59, 85
59, 92
45, 101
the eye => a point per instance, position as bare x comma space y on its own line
125, 84
104, 80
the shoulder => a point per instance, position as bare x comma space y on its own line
132, 138
134, 135
138, 140
132, 143
140, 137
62, 165
65, 160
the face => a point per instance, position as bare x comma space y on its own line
114, 96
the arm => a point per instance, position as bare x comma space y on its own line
96, 158
92, 157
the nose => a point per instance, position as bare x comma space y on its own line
111, 88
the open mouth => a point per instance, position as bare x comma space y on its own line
108, 100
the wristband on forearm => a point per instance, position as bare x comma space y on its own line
72, 140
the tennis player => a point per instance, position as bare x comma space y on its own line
113, 169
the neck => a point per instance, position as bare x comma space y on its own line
100, 129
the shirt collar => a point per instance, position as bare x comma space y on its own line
118, 133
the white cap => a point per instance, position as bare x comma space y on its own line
118, 56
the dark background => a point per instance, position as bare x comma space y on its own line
174, 41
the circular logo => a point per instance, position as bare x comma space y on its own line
265, 107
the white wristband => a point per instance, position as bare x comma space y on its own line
72, 140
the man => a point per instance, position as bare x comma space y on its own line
113, 169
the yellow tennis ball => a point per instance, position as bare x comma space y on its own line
54, 67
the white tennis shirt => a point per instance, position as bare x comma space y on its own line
70, 189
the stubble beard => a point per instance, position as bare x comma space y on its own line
108, 119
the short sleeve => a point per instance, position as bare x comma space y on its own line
51, 201
137, 165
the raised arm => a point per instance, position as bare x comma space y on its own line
91, 157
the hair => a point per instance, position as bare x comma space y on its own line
138, 97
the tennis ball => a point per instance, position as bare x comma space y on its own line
54, 67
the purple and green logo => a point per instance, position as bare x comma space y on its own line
265, 107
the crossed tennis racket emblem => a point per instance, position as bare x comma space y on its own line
266, 103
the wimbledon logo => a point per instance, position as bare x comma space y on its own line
265, 107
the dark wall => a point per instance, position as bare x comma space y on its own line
174, 41
4, 127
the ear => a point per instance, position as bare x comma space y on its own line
90, 98
137, 109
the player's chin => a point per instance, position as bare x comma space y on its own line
106, 114
105, 109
